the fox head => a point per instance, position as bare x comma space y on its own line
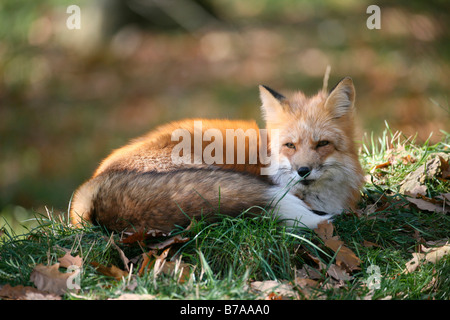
315, 145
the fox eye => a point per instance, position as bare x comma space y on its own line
322, 143
290, 145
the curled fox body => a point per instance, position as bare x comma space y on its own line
316, 177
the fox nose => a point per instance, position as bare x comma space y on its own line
303, 171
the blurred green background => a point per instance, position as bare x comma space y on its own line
67, 97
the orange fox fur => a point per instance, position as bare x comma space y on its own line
318, 173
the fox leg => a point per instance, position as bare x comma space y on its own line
293, 211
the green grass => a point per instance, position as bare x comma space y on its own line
228, 255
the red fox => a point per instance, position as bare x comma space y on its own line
159, 180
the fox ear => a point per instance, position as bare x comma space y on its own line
271, 103
341, 98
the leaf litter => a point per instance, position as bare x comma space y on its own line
21, 292
50, 279
345, 258
432, 255
51, 283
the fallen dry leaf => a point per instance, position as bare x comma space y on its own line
398, 153
320, 264
435, 166
134, 296
150, 259
14, 293
111, 271
429, 204
307, 287
40, 296
445, 197
267, 287
141, 235
413, 264
416, 190
274, 296
325, 230
50, 279
381, 165
432, 255
338, 273
438, 243
445, 168
21, 292
181, 269
308, 272
159, 264
172, 240
381, 205
433, 282
122, 255
345, 257
333, 284
147, 262
435, 254
408, 159
68, 260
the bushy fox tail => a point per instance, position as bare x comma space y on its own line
121, 200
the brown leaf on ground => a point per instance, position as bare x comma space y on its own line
147, 262
436, 166
381, 165
333, 284
21, 292
408, 159
308, 272
172, 240
445, 197
317, 261
111, 271
432, 255
68, 260
141, 235
431, 205
381, 205
180, 269
413, 264
445, 168
345, 257
416, 190
438, 243
274, 296
307, 287
134, 296
150, 259
159, 264
122, 255
50, 279
435, 254
338, 273
272, 289
325, 230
